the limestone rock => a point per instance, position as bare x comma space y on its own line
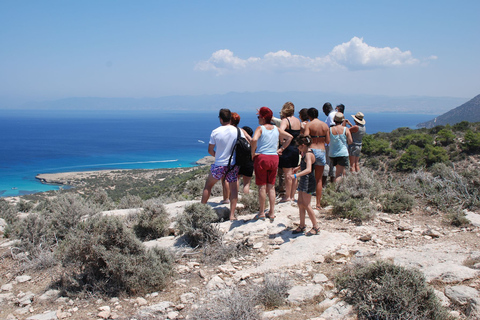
187, 298
474, 218
461, 295
300, 294
49, 315
216, 283
320, 278
49, 295
21, 279
341, 310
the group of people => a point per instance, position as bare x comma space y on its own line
307, 150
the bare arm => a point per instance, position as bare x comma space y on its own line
349, 136
211, 149
253, 143
354, 129
307, 129
247, 136
286, 138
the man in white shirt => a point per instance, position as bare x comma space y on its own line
222, 141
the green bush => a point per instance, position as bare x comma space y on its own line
152, 223
374, 146
397, 202
412, 159
461, 126
445, 137
472, 141
274, 290
434, 155
196, 223
102, 256
383, 290
417, 139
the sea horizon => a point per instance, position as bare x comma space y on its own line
40, 141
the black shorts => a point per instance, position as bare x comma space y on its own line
247, 170
342, 161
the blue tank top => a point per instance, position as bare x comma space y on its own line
268, 141
338, 145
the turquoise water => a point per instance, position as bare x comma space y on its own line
33, 142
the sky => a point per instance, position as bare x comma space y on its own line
140, 49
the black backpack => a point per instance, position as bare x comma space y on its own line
243, 155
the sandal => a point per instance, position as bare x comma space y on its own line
270, 218
314, 231
299, 230
257, 217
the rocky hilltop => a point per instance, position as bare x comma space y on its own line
469, 111
416, 239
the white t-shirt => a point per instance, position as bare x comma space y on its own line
224, 138
330, 118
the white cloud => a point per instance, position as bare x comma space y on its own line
352, 55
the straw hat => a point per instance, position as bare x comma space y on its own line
338, 117
359, 118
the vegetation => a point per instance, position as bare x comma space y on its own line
152, 222
196, 224
382, 290
103, 256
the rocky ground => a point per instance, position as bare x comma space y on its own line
449, 258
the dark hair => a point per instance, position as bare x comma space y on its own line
225, 115
248, 130
312, 113
341, 108
327, 108
303, 140
303, 114
266, 114
235, 119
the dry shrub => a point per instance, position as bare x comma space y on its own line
152, 222
250, 202
382, 290
397, 202
227, 305
102, 256
218, 252
274, 291
196, 223
129, 202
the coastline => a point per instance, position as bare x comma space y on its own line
74, 178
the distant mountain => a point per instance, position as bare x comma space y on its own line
253, 100
469, 111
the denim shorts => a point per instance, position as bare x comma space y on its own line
320, 157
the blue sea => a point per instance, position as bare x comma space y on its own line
33, 142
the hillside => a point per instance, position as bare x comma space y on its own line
469, 111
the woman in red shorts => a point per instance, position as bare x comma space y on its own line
265, 156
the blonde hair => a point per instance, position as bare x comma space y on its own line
288, 109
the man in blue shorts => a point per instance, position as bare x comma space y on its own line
220, 146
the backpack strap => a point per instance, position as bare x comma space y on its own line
233, 150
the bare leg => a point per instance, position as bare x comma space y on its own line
289, 193
301, 208
339, 172
271, 199
246, 184
307, 199
262, 196
352, 163
319, 188
233, 198
208, 188
226, 191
